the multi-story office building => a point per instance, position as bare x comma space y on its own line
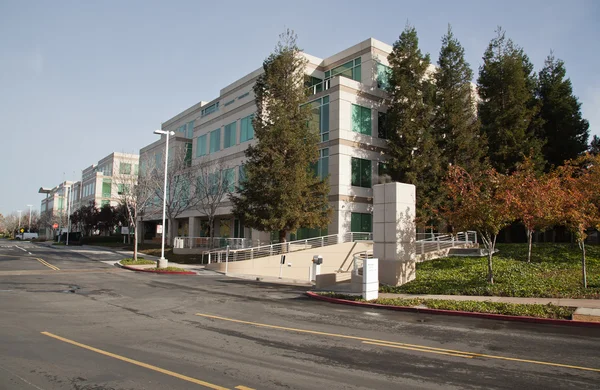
102, 183
347, 91
54, 207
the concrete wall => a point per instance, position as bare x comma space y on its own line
297, 263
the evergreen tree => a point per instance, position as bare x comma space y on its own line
508, 108
280, 191
565, 131
456, 123
595, 146
413, 149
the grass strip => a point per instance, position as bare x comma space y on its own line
512, 309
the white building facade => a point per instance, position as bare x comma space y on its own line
347, 92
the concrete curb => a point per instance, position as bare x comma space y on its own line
156, 272
502, 317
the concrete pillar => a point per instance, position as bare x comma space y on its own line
394, 232
193, 227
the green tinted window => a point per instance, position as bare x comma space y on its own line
361, 222
246, 129
361, 119
230, 135
361, 172
215, 141
201, 146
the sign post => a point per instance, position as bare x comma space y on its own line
370, 285
281, 263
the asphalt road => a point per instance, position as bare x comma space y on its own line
69, 320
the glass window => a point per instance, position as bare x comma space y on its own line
229, 179
158, 160
215, 141
350, 69
106, 187
190, 130
319, 119
383, 76
210, 109
243, 95
230, 135
125, 168
361, 172
321, 168
201, 146
136, 169
382, 130
229, 102
246, 129
241, 176
188, 154
361, 119
361, 222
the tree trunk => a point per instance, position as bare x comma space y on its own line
135, 244
282, 235
491, 248
529, 239
211, 231
584, 273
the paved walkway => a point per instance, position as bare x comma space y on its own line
589, 303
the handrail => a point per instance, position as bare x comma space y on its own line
440, 241
214, 243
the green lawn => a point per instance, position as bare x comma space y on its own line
554, 272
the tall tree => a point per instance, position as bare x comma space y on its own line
594, 147
281, 192
456, 123
565, 131
413, 147
508, 108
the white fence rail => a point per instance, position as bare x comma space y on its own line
429, 242
212, 243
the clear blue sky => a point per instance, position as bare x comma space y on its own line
81, 79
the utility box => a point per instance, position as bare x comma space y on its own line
316, 267
370, 285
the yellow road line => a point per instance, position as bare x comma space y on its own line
389, 343
240, 387
44, 262
418, 349
47, 264
137, 363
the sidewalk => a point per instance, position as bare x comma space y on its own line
589, 303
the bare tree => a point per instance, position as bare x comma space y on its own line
135, 194
214, 182
180, 184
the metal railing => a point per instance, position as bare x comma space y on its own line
358, 260
429, 242
239, 254
319, 87
214, 243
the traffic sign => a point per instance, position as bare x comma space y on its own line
55, 226
22, 230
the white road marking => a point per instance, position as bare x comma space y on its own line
24, 250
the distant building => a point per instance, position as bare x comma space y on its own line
100, 184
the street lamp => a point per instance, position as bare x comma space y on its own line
19, 228
30, 206
162, 262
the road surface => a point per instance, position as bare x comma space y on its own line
70, 320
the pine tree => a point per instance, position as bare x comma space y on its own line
595, 145
566, 132
456, 123
508, 108
413, 148
280, 191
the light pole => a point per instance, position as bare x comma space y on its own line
69, 194
162, 262
29, 229
19, 228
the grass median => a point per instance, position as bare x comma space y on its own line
139, 261
554, 272
512, 309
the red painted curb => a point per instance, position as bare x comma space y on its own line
157, 272
503, 317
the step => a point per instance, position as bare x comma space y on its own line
586, 314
